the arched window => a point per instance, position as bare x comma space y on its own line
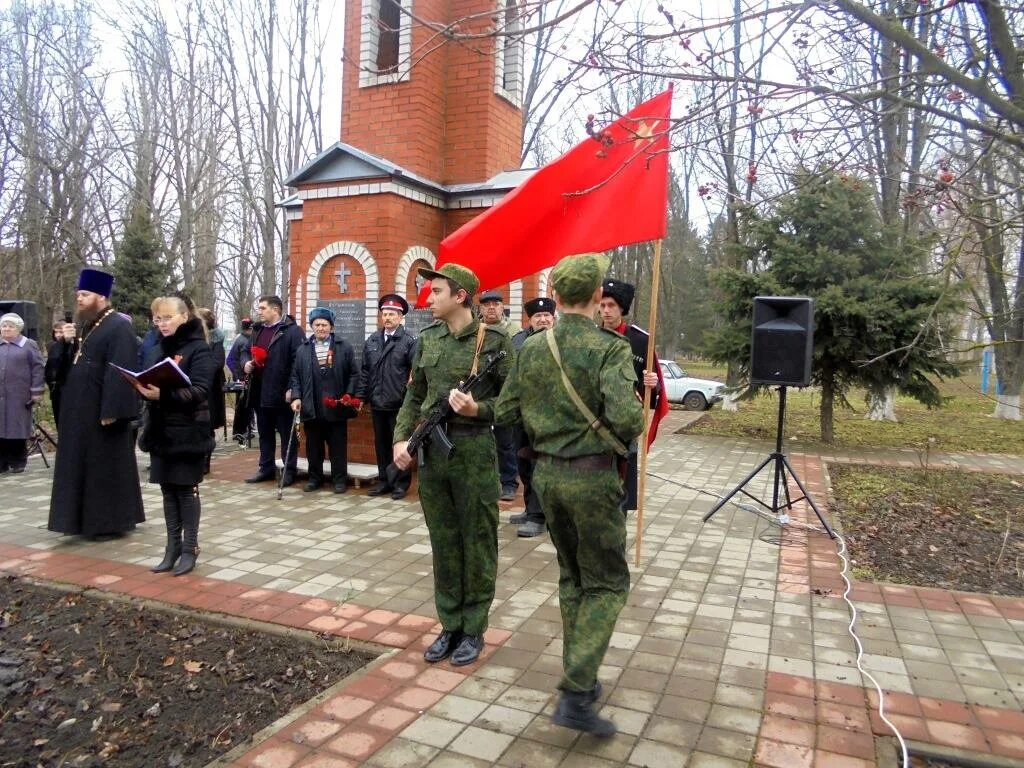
385, 42
389, 21
508, 48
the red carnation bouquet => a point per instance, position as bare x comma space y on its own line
259, 356
347, 403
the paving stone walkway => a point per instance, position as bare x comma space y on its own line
732, 650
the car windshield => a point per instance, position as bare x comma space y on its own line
672, 370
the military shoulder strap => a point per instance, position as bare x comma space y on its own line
593, 421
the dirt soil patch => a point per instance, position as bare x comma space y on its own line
933, 527
87, 681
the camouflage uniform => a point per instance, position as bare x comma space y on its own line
459, 495
580, 503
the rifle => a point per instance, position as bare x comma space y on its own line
431, 430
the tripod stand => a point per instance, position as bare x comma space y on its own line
35, 443
780, 465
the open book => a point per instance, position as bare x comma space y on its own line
166, 373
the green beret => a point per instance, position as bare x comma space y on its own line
462, 276
575, 278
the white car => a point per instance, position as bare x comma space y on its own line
694, 394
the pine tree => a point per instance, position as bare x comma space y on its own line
878, 317
141, 273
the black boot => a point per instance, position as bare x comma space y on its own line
172, 517
576, 710
190, 510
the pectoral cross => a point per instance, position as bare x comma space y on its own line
341, 273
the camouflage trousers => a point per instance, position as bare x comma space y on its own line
459, 497
589, 534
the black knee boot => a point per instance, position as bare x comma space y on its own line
172, 517
189, 505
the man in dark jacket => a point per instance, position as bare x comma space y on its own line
58, 363
387, 362
274, 342
323, 379
240, 354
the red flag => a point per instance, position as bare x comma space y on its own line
605, 192
661, 411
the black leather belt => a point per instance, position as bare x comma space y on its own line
467, 430
591, 462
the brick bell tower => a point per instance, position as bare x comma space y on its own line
431, 135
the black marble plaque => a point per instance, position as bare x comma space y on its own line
349, 322
417, 320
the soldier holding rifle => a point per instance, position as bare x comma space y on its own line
458, 490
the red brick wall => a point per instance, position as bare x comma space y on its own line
483, 130
445, 122
403, 122
387, 226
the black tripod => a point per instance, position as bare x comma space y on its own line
781, 466
36, 442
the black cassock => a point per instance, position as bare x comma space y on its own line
96, 487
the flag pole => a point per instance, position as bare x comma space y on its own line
651, 362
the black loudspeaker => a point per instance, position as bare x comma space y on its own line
783, 340
26, 310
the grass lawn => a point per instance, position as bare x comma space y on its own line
934, 528
963, 424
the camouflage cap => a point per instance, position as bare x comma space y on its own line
575, 278
462, 276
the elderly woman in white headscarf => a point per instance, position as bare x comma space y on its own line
21, 387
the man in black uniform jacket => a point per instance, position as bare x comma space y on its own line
541, 313
617, 298
387, 362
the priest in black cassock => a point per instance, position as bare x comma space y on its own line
96, 488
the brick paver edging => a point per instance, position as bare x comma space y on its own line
348, 727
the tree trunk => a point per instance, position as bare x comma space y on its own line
881, 404
1007, 407
826, 409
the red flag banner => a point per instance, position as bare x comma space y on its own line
607, 191
661, 411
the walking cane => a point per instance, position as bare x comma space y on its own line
288, 454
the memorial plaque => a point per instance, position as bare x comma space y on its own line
417, 320
349, 322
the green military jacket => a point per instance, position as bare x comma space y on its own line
443, 359
600, 366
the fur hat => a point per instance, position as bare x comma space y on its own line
621, 292
540, 304
321, 313
13, 319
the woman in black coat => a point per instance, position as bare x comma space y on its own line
177, 433
324, 374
